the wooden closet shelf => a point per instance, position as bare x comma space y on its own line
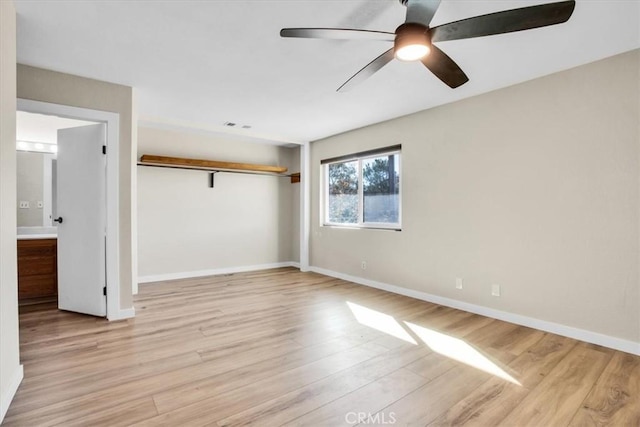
207, 165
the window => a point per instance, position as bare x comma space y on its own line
363, 190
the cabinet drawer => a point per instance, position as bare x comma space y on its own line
37, 248
37, 286
42, 250
34, 265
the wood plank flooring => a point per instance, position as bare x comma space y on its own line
280, 347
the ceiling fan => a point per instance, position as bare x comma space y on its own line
413, 40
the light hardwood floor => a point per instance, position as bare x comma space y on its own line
281, 347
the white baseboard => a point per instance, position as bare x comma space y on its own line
543, 325
214, 272
122, 314
10, 392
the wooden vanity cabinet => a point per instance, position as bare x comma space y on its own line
37, 268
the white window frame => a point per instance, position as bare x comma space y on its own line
361, 223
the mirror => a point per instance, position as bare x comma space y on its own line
35, 188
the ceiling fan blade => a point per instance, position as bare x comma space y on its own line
421, 11
367, 71
507, 21
444, 68
337, 34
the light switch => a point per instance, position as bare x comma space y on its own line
495, 290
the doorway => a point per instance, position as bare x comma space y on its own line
109, 123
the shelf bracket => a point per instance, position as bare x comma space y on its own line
212, 179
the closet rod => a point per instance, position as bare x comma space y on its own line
216, 170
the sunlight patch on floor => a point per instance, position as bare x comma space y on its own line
460, 351
380, 321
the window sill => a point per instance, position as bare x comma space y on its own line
364, 227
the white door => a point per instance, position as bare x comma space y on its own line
81, 211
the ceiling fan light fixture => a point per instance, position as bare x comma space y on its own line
412, 52
412, 42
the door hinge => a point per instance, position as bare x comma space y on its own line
104, 291
104, 149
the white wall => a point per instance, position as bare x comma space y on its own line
10, 368
186, 228
534, 187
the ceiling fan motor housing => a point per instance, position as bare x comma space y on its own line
411, 33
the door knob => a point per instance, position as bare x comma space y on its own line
58, 220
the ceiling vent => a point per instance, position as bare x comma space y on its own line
232, 125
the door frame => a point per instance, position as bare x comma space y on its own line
112, 121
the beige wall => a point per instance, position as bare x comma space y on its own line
184, 226
10, 369
534, 187
30, 186
65, 89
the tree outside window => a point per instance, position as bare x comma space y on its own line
343, 193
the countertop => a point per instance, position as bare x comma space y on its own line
36, 236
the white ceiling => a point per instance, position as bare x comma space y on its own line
198, 64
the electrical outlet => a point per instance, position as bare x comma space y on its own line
363, 265
24, 205
40, 204
458, 282
495, 290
